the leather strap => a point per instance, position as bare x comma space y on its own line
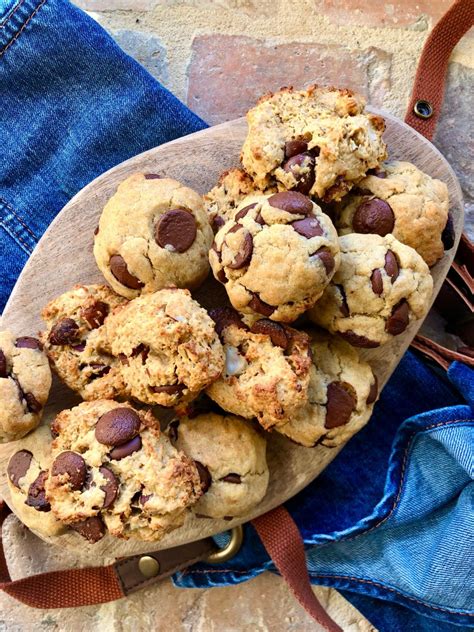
282, 539
431, 72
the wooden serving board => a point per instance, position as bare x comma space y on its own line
64, 257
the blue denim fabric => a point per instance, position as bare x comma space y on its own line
390, 521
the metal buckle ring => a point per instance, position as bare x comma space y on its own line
231, 549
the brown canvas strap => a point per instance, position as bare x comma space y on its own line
428, 90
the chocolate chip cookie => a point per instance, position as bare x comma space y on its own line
75, 343
25, 380
167, 345
342, 391
399, 198
27, 470
153, 233
113, 470
266, 373
318, 141
230, 456
380, 287
276, 256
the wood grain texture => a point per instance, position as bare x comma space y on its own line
64, 257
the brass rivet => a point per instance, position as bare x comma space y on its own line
232, 548
423, 109
148, 566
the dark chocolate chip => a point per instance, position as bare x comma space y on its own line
123, 359
374, 216
99, 370
294, 147
126, 449
120, 271
96, 231
221, 276
244, 254
341, 402
326, 258
110, 487
36, 494
399, 319
217, 223
73, 465
304, 179
391, 265
117, 426
144, 498
274, 330
173, 430
18, 466
344, 307
308, 227
291, 202
95, 314
243, 211
374, 390
3, 365
176, 228
79, 348
260, 306
92, 529
377, 172
27, 342
377, 282
358, 341
142, 350
168, 389
153, 176
204, 475
32, 403
448, 235
64, 332
232, 478
225, 316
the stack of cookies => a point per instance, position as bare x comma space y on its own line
322, 247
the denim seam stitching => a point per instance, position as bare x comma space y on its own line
16, 237
17, 217
17, 35
12, 13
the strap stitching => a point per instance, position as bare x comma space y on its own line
17, 35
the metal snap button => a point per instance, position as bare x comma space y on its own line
148, 566
423, 109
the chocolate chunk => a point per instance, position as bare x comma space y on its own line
308, 227
176, 228
243, 211
92, 529
64, 332
27, 342
95, 314
291, 202
99, 370
32, 403
110, 488
341, 402
144, 498
73, 465
358, 341
142, 350
448, 235
225, 316
96, 231
36, 494
304, 179
119, 269
294, 147
399, 319
374, 216
123, 359
169, 389
173, 430
377, 172
232, 478
327, 259
126, 449
244, 254
221, 276
18, 466
117, 426
79, 348
204, 475
377, 282
3, 365
260, 306
217, 223
374, 390
344, 307
153, 176
274, 330
391, 265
